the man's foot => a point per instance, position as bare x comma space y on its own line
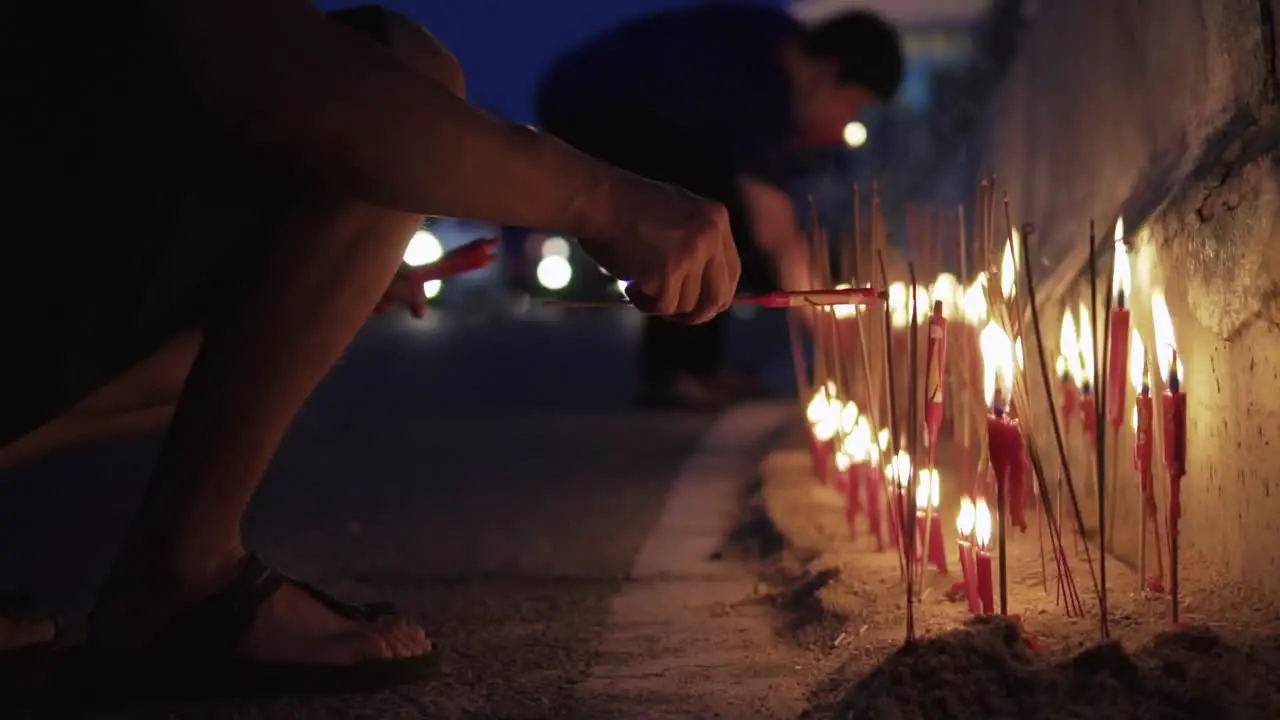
22, 632
259, 633
684, 393
290, 625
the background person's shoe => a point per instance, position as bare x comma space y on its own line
684, 393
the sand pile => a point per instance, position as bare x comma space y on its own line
986, 670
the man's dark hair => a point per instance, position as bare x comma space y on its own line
865, 48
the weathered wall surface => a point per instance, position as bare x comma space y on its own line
1163, 112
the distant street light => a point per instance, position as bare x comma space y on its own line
855, 134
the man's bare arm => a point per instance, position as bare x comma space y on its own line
773, 221
341, 106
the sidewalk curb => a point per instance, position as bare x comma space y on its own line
685, 637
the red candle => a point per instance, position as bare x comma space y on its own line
1118, 364
982, 560
821, 452
1118, 347
1142, 456
1007, 448
1174, 406
1088, 412
964, 548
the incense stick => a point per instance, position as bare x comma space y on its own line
1029, 274
1099, 454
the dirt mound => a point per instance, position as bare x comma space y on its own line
987, 670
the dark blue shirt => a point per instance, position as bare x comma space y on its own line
713, 74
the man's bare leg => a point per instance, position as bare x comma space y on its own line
139, 400
317, 282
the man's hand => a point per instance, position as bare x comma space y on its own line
675, 250
404, 291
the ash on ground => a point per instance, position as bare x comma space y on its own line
986, 670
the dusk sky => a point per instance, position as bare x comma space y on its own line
505, 44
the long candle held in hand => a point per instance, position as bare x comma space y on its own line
779, 299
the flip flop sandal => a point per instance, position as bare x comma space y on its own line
27, 669
194, 658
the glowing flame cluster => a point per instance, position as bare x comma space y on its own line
833, 419
928, 489
967, 304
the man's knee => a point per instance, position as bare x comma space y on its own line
412, 43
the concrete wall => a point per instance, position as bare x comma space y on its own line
1163, 112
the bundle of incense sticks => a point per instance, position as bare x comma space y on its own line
780, 299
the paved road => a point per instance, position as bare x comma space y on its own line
487, 476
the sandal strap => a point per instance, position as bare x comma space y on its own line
366, 612
218, 623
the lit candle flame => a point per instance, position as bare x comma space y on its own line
900, 468
829, 424
898, 301
1017, 352
1121, 276
843, 461
975, 301
946, 290
923, 305
1009, 268
858, 444
882, 438
997, 362
818, 407
844, 312
848, 417
1085, 344
929, 489
964, 521
982, 523
1069, 349
1166, 345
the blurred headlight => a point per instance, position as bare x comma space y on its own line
554, 272
555, 247
855, 134
423, 248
